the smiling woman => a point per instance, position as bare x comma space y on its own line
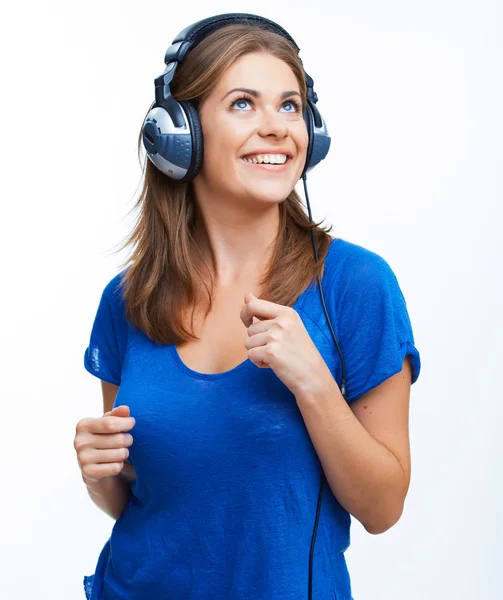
223, 350
267, 123
243, 89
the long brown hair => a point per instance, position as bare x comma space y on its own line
164, 274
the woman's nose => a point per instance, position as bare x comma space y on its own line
272, 123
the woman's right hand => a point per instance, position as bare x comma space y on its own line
102, 443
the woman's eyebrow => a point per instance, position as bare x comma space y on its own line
257, 94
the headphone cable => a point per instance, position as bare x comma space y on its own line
343, 391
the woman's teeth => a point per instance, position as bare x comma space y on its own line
276, 159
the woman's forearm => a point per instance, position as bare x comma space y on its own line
112, 493
364, 476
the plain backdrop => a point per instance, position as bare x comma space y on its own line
412, 96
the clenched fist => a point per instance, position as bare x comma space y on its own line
102, 443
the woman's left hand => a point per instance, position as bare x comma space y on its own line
281, 342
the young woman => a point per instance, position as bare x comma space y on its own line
226, 398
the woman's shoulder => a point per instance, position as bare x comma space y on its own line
350, 260
113, 290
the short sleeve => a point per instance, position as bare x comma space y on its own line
109, 335
374, 324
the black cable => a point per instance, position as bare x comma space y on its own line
343, 392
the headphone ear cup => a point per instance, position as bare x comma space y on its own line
197, 140
319, 140
309, 121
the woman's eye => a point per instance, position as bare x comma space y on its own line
293, 104
242, 102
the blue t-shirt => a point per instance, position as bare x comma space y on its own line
227, 478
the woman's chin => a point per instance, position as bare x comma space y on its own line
269, 191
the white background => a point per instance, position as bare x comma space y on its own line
410, 92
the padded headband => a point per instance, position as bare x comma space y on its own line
196, 32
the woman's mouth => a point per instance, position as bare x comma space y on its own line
273, 167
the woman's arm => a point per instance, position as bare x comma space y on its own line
110, 494
363, 448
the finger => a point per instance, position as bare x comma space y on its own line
259, 357
111, 424
100, 471
259, 327
259, 339
114, 440
90, 456
119, 411
261, 309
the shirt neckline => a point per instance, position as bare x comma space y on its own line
246, 364
208, 376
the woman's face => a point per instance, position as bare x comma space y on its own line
268, 120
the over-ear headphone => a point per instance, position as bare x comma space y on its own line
172, 134
173, 139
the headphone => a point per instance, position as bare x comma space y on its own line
173, 139
172, 133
